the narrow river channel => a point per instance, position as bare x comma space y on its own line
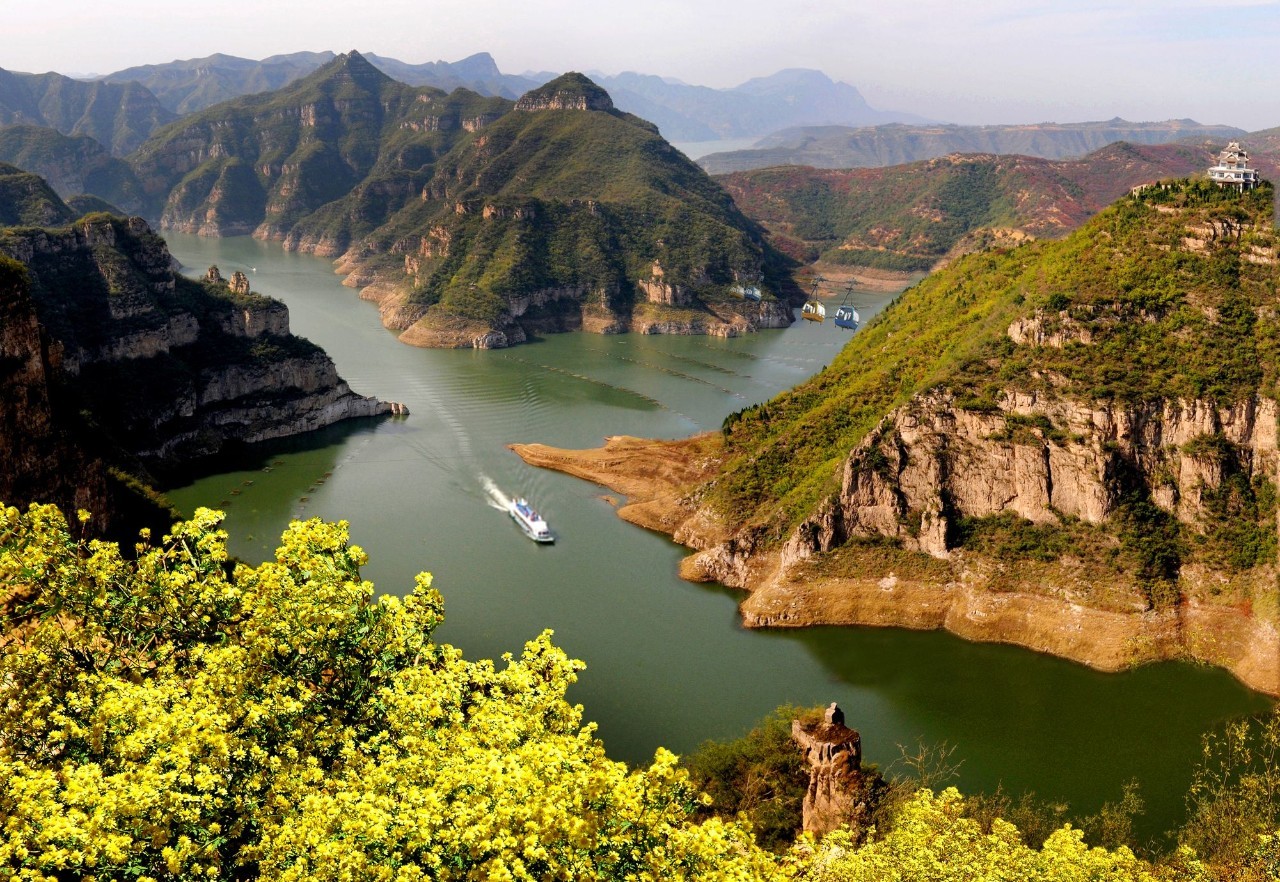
667, 661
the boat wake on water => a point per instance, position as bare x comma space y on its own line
496, 498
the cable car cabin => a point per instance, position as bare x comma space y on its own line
813, 311
847, 317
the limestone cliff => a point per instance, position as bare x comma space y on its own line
42, 462
168, 368
1042, 458
571, 91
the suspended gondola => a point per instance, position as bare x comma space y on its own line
846, 315
813, 310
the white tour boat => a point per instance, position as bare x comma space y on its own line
530, 521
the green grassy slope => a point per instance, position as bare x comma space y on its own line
1176, 290
577, 198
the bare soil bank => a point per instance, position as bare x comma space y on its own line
1059, 608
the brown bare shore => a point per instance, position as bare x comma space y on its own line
1065, 608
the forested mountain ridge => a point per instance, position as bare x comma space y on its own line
473, 220
72, 165
268, 160
119, 116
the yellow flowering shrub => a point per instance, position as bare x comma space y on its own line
932, 841
176, 716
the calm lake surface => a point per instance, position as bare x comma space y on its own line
667, 661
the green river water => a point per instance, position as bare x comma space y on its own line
667, 661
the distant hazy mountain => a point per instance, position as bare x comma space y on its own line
794, 97
187, 86
682, 112
194, 84
478, 72
873, 147
118, 115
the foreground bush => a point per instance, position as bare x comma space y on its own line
176, 716
932, 841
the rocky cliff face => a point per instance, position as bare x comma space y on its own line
572, 308
571, 91
42, 462
173, 369
1042, 458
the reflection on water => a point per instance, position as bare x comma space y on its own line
668, 662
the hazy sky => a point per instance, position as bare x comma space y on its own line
1217, 61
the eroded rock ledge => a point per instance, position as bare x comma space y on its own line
174, 370
1063, 608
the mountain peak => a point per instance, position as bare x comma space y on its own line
353, 59
478, 66
349, 65
570, 91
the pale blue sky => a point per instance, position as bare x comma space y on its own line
1217, 61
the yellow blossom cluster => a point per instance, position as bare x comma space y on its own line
174, 715
932, 841
178, 716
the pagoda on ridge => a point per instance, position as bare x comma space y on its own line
1233, 169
